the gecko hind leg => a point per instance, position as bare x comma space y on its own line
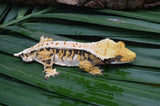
90, 68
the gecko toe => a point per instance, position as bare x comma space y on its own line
95, 74
103, 74
46, 78
54, 76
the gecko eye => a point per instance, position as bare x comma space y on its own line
121, 44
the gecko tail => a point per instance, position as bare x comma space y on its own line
16, 54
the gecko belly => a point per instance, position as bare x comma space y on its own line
66, 61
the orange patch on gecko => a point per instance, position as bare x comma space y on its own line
86, 55
72, 54
60, 54
41, 45
67, 54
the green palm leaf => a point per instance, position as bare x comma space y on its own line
130, 84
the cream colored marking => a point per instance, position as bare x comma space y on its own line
66, 61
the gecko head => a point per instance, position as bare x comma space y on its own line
122, 54
114, 52
27, 57
126, 54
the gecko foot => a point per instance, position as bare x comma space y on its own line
52, 73
96, 71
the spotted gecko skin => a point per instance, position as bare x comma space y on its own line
83, 55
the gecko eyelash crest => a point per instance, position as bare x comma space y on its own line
83, 55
